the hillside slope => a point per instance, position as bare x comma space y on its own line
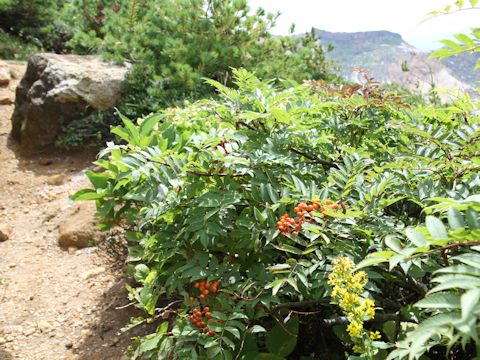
389, 59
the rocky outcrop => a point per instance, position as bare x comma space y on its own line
4, 74
57, 89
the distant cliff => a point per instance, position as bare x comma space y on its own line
389, 59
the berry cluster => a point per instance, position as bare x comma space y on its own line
199, 319
286, 224
206, 288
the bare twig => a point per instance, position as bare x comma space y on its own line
326, 164
299, 304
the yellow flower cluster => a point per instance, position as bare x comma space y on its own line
348, 287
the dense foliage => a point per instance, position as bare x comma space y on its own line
173, 45
11, 47
246, 216
35, 22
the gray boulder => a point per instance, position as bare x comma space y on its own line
57, 89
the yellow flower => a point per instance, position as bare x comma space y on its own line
359, 348
370, 308
347, 288
355, 329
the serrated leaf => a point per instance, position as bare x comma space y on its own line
416, 237
436, 228
87, 194
371, 260
393, 243
257, 329
289, 249
469, 259
443, 300
469, 300
473, 220
455, 219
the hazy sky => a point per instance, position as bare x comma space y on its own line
400, 16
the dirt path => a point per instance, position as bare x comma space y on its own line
54, 303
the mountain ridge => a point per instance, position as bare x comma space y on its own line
390, 59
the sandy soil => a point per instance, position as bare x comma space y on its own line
54, 303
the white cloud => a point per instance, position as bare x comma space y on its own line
401, 16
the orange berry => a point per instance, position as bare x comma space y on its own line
213, 289
202, 296
334, 206
296, 209
201, 324
196, 285
328, 202
207, 284
195, 310
211, 333
206, 292
206, 309
295, 233
216, 283
208, 315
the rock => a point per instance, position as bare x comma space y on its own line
91, 273
44, 161
57, 89
72, 250
86, 333
44, 326
5, 232
29, 331
6, 98
57, 180
4, 74
79, 227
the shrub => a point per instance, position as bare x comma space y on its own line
12, 48
35, 21
173, 45
238, 208
90, 130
